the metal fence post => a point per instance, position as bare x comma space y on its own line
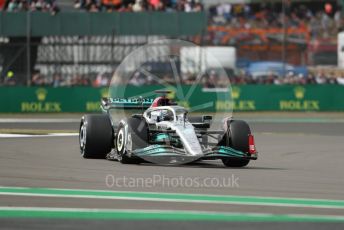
28, 48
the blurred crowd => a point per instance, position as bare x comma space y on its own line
322, 23
33, 5
209, 80
105, 5
100, 80
291, 79
139, 5
214, 80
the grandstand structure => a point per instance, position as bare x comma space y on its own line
58, 47
70, 41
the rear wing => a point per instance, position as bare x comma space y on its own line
125, 103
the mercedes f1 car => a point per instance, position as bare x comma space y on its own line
163, 133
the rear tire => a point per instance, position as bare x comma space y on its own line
237, 138
137, 137
95, 136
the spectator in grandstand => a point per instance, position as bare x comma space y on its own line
15, 6
38, 80
340, 79
101, 80
88, 5
12, 6
91, 5
112, 5
310, 79
189, 5
139, 5
33, 5
320, 78
56, 80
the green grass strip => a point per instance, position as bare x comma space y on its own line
161, 215
174, 197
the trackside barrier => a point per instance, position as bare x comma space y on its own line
241, 98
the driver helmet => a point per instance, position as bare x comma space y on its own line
166, 115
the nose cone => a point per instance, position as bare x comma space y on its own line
190, 141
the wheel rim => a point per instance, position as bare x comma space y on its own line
120, 140
82, 136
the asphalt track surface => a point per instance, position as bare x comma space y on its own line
297, 182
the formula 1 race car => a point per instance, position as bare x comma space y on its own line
163, 133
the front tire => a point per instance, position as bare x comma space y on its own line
237, 137
95, 136
135, 137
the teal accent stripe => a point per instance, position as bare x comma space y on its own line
171, 197
67, 213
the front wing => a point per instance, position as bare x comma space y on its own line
169, 155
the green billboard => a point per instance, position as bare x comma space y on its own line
244, 98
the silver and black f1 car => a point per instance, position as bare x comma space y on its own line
163, 133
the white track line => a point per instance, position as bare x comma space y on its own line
10, 135
8, 208
39, 120
171, 200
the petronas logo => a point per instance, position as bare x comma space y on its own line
235, 92
172, 94
41, 94
299, 92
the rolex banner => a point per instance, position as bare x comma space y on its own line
240, 98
